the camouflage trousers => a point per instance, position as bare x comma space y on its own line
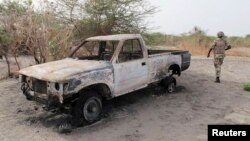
218, 61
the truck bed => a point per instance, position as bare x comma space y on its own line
185, 56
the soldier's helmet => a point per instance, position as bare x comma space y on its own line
220, 34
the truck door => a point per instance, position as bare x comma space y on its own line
130, 69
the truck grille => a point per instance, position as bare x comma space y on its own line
39, 86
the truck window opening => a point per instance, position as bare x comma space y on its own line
131, 50
96, 50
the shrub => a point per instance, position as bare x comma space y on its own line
246, 87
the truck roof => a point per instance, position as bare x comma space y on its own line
116, 37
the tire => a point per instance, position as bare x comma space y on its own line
87, 109
65, 128
170, 84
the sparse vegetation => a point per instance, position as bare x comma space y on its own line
197, 42
246, 87
49, 32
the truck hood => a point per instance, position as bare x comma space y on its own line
62, 70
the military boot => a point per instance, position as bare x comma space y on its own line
217, 80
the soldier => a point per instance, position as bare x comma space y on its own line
219, 46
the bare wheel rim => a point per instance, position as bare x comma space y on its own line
171, 87
92, 109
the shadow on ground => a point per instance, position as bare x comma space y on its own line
114, 109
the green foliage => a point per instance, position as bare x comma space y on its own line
246, 87
104, 17
5, 37
155, 38
13, 6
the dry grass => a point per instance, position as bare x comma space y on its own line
194, 46
198, 43
203, 50
239, 51
195, 50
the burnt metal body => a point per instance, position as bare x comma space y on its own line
56, 83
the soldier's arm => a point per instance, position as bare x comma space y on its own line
228, 46
208, 55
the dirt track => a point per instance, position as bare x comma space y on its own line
146, 115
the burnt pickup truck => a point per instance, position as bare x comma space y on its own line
102, 67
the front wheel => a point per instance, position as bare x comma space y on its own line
88, 108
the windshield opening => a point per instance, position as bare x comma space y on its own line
96, 50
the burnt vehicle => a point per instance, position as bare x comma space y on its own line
102, 67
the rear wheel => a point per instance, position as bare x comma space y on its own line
88, 108
170, 84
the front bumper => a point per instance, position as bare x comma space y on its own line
49, 99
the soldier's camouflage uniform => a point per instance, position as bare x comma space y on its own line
219, 46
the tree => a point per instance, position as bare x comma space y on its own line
120, 16
5, 41
101, 17
39, 33
48, 32
8, 13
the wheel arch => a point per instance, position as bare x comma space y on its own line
175, 68
101, 88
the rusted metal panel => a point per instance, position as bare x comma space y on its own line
159, 65
69, 76
102, 76
59, 71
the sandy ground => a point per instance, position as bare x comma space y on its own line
147, 115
